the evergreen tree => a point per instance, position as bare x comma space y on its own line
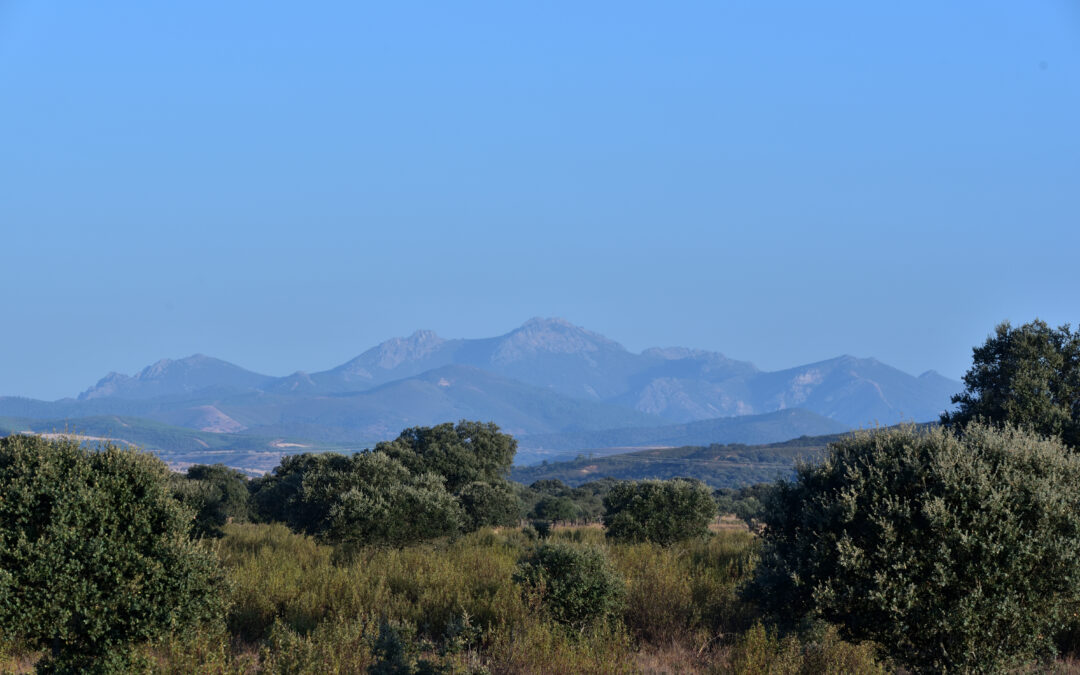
1027, 376
955, 553
95, 554
662, 512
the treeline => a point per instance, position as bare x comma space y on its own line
429, 482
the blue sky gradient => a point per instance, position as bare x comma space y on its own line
283, 185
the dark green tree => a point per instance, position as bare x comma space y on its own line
95, 554
217, 494
955, 553
490, 504
662, 512
556, 509
279, 496
463, 453
578, 586
1027, 376
366, 498
746, 503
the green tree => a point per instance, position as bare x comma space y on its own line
746, 503
217, 494
463, 453
95, 554
366, 498
578, 586
556, 509
957, 553
490, 504
1027, 376
662, 512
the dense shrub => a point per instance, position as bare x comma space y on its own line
953, 553
427, 483
463, 453
556, 509
216, 493
366, 498
577, 585
662, 512
759, 650
489, 504
746, 503
555, 500
94, 553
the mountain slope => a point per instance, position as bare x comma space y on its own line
444, 394
172, 378
549, 353
731, 465
767, 428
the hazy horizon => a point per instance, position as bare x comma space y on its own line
284, 187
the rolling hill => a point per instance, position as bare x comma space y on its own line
730, 465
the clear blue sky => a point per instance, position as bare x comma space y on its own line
285, 184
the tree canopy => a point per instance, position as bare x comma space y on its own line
216, 493
955, 553
428, 482
94, 552
463, 453
662, 512
366, 498
1028, 376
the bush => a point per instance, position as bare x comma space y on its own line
662, 512
463, 453
577, 585
216, 493
954, 553
489, 504
94, 553
759, 650
556, 509
367, 498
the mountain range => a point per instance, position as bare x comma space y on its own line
556, 386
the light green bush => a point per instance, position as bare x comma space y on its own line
94, 553
759, 651
953, 553
576, 585
662, 512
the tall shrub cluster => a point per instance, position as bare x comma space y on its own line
429, 482
95, 554
217, 494
577, 585
953, 552
661, 512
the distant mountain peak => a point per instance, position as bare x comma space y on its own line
397, 350
175, 376
551, 336
162, 367
392, 353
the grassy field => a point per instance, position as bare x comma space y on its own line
300, 608
453, 606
